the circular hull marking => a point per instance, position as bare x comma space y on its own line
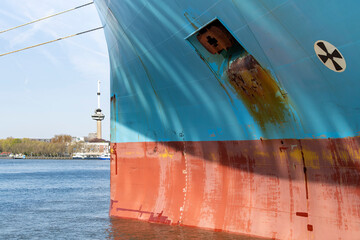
330, 56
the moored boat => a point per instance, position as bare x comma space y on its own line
91, 156
79, 156
19, 156
105, 156
6, 155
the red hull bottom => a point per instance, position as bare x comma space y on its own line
283, 189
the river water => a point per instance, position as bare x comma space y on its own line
68, 199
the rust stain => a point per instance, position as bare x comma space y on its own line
113, 101
159, 218
154, 217
187, 16
258, 90
114, 157
296, 155
310, 227
302, 214
311, 159
114, 112
112, 203
215, 38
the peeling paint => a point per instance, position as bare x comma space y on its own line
258, 90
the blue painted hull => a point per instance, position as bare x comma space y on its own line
163, 88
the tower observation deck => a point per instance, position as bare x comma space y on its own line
98, 116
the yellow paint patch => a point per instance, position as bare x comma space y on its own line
355, 155
261, 154
296, 155
283, 157
311, 159
344, 156
166, 154
328, 157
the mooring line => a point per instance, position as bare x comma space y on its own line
55, 40
40, 19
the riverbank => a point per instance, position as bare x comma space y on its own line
49, 158
40, 158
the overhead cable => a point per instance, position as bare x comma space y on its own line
55, 40
40, 19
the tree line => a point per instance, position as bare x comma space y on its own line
59, 146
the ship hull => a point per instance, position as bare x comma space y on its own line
225, 116
283, 189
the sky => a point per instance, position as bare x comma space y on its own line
51, 89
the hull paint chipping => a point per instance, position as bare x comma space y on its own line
283, 189
236, 116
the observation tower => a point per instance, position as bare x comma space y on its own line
98, 116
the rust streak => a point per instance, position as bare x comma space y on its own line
305, 170
258, 90
186, 15
310, 227
302, 214
215, 38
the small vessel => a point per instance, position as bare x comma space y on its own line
91, 156
105, 156
6, 155
79, 156
19, 156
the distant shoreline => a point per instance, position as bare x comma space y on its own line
48, 158
55, 158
